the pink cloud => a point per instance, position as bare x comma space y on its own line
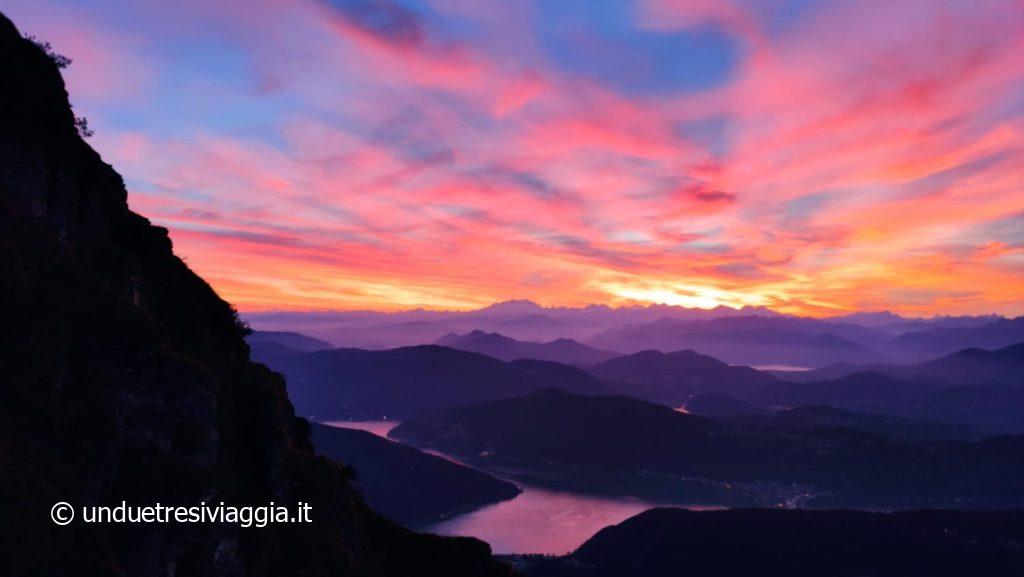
857, 145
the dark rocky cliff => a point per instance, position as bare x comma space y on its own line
125, 377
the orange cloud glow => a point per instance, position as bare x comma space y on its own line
445, 154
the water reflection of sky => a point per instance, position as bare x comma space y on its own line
791, 368
542, 521
379, 428
537, 521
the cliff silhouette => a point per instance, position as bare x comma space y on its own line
125, 377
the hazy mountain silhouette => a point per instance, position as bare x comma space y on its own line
620, 445
552, 374
396, 383
288, 339
508, 349
382, 336
796, 543
910, 325
126, 378
407, 485
873, 319
671, 378
751, 340
521, 320
511, 308
273, 347
971, 388
942, 341
973, 366
752, 335
895, 324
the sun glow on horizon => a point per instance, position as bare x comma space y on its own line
682, 295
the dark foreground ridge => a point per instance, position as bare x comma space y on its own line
796, 543
125, 377
405, 484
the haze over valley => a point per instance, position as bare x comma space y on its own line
600, 417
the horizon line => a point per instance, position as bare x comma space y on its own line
615, 307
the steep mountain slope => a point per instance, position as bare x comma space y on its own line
671, 378
396, 383
127, 379
508, 349
406, 484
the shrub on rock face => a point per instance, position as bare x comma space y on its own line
59, 59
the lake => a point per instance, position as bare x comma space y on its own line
789, 368
379, 428
542, 521
539, 520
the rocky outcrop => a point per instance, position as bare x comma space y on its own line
126, 378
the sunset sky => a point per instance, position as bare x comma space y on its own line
815, 157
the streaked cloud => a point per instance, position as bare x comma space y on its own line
812, 156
